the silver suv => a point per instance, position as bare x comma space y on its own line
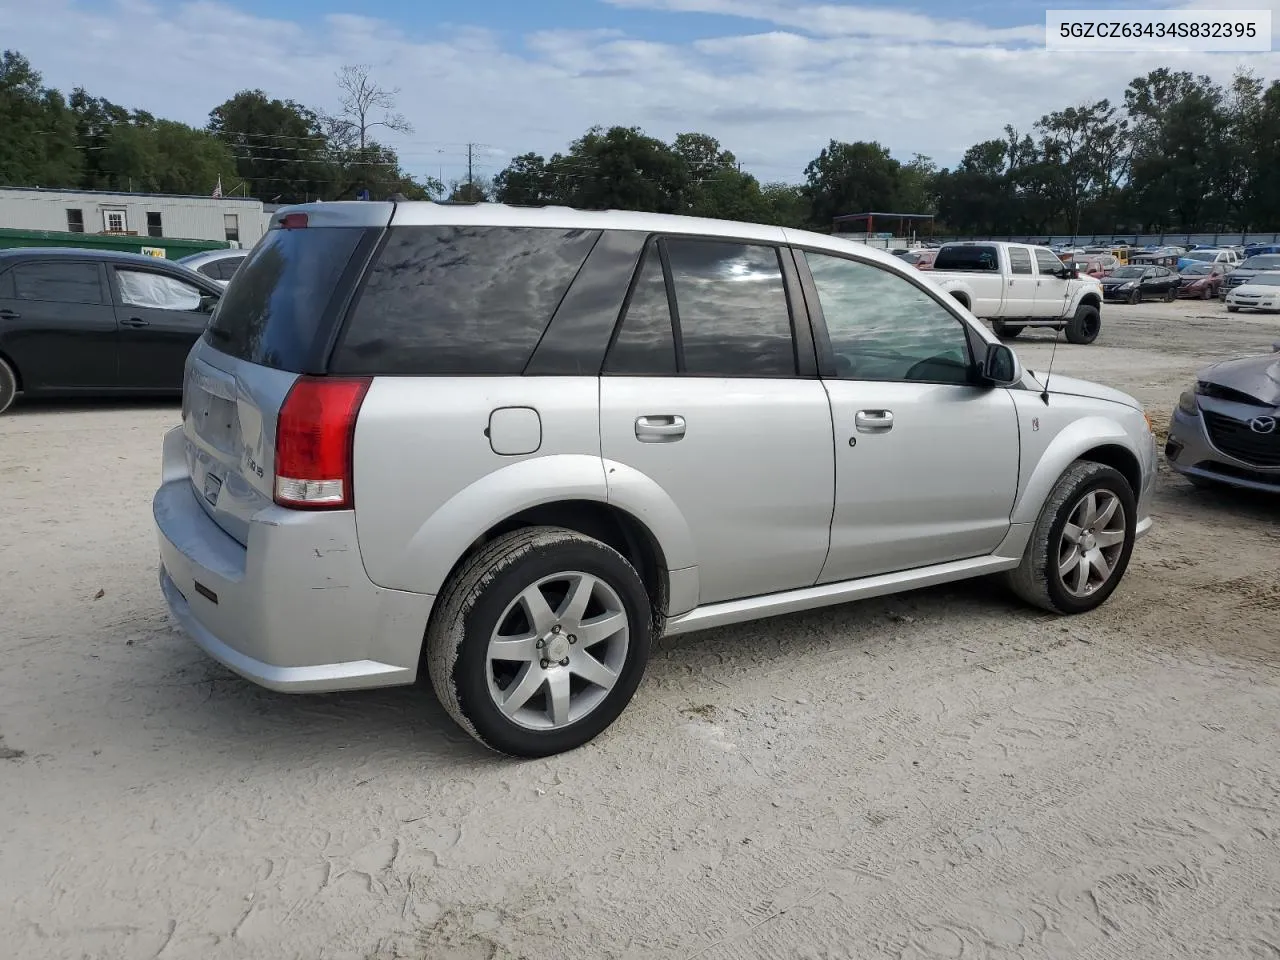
517, 445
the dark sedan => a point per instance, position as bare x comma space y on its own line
91, 322
1202, 280
1135, 283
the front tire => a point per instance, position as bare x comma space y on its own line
1006, 331
8, 385
1085, 326
1135, 297
1081, 543
540, 641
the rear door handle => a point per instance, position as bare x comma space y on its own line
135, 322
659, 429
873, 421
10, 315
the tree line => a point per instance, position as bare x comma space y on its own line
1177, 152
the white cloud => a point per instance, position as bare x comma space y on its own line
774, 93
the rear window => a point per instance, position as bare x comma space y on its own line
976, 258
274, 312
459, 300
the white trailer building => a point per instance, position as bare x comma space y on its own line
236, 219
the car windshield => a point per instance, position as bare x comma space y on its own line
1207, 255
1266, 261
1129, 272
1197, 270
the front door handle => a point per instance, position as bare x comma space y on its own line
659, 429
10, 315
873, 421
135, 322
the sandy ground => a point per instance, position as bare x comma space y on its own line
938, 775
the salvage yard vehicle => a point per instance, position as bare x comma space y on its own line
94, 323
1017, 285
1201, 280
218, 265
1135, 283
1260, 292
1249, 269
1225, 430
514, 446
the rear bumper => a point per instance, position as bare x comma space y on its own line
293, 610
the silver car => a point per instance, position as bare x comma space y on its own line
515, 446
218, 265
1225, 430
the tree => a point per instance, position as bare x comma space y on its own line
785, 204
851, 178
621, 168
279, 149
526, 180
361, 101
477, 190
702, 154
37, 129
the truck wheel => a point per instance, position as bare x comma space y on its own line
1081, 543
540, 641
1007, 331
1085, 326
8, 385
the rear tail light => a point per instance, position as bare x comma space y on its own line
315, 435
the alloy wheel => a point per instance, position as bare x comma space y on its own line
1091, 542
557, 650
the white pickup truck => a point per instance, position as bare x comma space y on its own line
1017, 285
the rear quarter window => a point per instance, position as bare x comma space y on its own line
459, 300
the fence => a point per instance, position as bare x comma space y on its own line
1133, 239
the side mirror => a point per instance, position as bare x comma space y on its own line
208, 302
1070, 272
1000, 366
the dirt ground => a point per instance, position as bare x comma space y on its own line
943, 774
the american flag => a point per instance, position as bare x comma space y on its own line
217, 191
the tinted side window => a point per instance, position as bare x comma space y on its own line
980, 259
1019, 260
732, 309
227, 267
1047, 262
458, 300
58, 282
645, 345
882, 327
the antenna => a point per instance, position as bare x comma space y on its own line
1057, 335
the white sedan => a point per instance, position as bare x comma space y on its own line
1262, 292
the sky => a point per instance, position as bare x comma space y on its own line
774, 80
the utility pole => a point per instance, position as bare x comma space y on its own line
470, 188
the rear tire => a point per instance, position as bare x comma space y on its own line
1039, 579
1007, 331
516, 592
1170, 295
8, 385
1085, 326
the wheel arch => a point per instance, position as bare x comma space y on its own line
1095, 438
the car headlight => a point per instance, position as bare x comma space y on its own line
1187, 402
1128, 286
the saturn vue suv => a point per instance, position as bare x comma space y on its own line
511, 447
